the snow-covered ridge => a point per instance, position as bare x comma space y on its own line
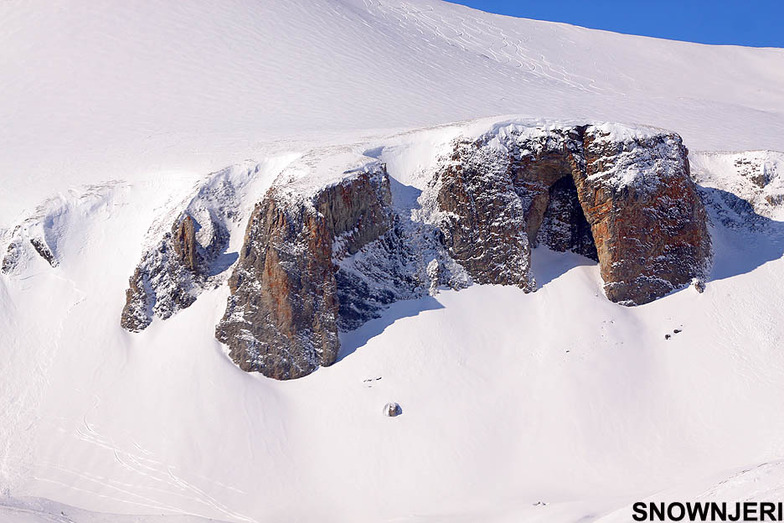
322, 167
313, 67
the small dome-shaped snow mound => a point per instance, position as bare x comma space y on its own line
392, 409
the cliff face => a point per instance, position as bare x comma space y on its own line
482, 217
282, 317
648, 221
625, 199
326, 249
502, 194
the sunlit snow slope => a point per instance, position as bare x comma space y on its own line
551, 406
97, 90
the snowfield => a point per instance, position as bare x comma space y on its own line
556, 405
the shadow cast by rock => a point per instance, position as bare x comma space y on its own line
742, 239
548, 265
223, 263
352, 340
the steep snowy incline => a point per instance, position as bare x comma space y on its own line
554, 405
117, 89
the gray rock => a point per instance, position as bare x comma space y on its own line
171, 275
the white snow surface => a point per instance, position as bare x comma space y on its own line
96, 90
755, 176
551, 406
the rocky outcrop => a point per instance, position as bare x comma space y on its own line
483, 218
29, 238
171, 275
185, 245
12, 256
620, 196
392, 410
755, 177
326, 250
647, 219
189, 250
283, 314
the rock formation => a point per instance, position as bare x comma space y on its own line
483, 220
184, 243
15, 252
392, 410
172, 273
647, 219
282, 317
189, 253
626, 200
326, 250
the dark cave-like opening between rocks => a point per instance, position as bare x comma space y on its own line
554, 216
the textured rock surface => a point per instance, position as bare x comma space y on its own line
648, 221
483, 218
282, 316
188, 253
564, 226
392, 410
624, 198
169, 277
184, 243
325, 252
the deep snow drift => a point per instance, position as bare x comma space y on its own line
508, 399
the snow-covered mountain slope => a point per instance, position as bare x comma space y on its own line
508, 398
556, 405
119, 89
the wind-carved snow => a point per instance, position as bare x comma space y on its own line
469, 34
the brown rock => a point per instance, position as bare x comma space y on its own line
319, 259
627, 201
483, 218
281, 319
647, 219
184, 242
